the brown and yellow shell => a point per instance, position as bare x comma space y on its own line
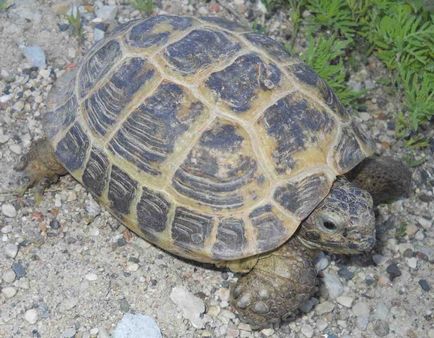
200, 136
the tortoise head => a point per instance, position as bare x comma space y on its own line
343, 222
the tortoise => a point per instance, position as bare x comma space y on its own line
213, 143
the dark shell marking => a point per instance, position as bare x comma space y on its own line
152, 211
122, 189
190, 229
302, 196
270, 46
149, 134
269, 228
156, 30
97, 65
72, 149
347, 152
199, 49
62, 117
95, 175
225, 24
230, 240
295, 125
104, 106
240, 82
217, 168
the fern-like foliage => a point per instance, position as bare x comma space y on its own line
333, 15
325, 55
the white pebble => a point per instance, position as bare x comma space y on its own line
412, 262
9, 291
91, 277
307, 330
11, 250
31, 316
190, 305
132, 267
9, 210
9, 276
136, 325
267, 332
4, 138
16, 149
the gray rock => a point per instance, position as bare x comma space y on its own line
424, 285
381, 311
9, 210
381, 328
345, 301
136, 326
190, 305
307, 306
412, 262
98, 34
106, 13
19, 270
35, 55
332, 287
307, 330
393, 271
324, 307
321, 262
11, 250
361, 309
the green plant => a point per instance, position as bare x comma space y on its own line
4, 5
74, 21
325, 54
144, 6
334, 15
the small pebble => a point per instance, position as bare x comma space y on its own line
132, 267
190, 305
307, 330
107, 13
345, 301
324, 307
361, 309
19, 270
412, 262
332, 286
424, 285
54, 224
381, 328
267, 332
9, 210
31, 316
91, 276
4, 138
98, 34
69, 333
9, 276
35, 55
9, 291
345, 273
11, 250
16, 149
136, 326
393, 271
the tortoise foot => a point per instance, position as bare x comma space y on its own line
276, 287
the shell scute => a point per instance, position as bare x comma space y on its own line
122, 190
152, 211
151, 132
240, 84
199, 49
72, 149
294, 125
103, 108
95, 175
230, 239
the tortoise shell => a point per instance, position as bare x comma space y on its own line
202, 137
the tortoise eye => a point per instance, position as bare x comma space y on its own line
329, 225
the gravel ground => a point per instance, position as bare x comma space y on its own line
68, 269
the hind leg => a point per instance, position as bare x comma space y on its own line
276, 286
38, 168
384, 177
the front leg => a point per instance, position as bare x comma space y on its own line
384, 177
276, 287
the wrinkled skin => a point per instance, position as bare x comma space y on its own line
343, 223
